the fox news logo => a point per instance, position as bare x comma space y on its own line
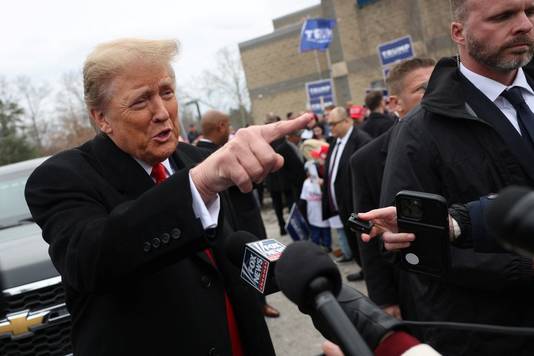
269, 248
254, 269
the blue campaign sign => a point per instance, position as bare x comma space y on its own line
316, 34
296, 225
320, 94
396, 50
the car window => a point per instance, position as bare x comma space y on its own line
13, 207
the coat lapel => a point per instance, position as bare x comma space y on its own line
127, 176
490, 113
120, 169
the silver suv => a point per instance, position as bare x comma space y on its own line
37, 321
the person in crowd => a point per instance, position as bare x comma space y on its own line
285, 184
318, 133
323, 120
215, 130
192, 134
406, 83
312, 195
377, 122
307, 133
473, 135
133, 218
358, 113
244, 214
336, 201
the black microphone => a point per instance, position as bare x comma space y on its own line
511, 218
308, 277
256, 259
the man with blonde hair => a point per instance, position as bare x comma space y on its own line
133, 222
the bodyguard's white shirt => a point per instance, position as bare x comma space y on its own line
340, 142
208, 215
493, 90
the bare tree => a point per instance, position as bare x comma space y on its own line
71, 125
226, 85
34, 101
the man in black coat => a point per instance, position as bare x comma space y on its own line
133, 223
337, 185
285, 184
468, 139
406, 82
377, 122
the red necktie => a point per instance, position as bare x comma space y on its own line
160, 174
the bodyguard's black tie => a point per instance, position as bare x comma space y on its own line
525, 116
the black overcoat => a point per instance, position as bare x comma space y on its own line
130, 257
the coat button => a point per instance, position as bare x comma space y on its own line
165, 238
176, 233
147, 246
213, 352
206, 281
156, 242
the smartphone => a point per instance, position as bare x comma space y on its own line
358, 225
425, 215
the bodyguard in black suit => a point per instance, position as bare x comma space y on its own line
133, 223
337, 172
406, 82
469, 138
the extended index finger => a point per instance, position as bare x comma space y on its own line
279, 129
389, 212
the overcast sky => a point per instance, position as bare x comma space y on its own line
43, 39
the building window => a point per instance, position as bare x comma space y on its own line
362, 3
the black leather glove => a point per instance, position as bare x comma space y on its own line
370, 321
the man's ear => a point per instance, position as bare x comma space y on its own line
457, 33
395, 103
101, 121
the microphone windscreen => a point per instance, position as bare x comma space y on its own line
497, 212
234, 246
300, 263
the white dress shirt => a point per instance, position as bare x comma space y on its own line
493, 89
208, 215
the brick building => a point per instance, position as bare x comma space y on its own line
276, 72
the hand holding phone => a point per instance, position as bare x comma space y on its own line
426, 216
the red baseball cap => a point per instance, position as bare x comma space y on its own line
357, 111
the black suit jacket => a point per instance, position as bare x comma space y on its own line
367, 167
210, 146
343, 180
343, 185
130, 256
291, 176
376, 124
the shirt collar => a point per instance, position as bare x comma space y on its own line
148, 168
343, 140
491, 88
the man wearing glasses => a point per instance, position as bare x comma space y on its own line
336, 188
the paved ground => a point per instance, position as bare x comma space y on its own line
293, 333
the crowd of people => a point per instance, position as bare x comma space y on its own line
137, 221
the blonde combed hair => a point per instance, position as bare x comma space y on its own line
109, 59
